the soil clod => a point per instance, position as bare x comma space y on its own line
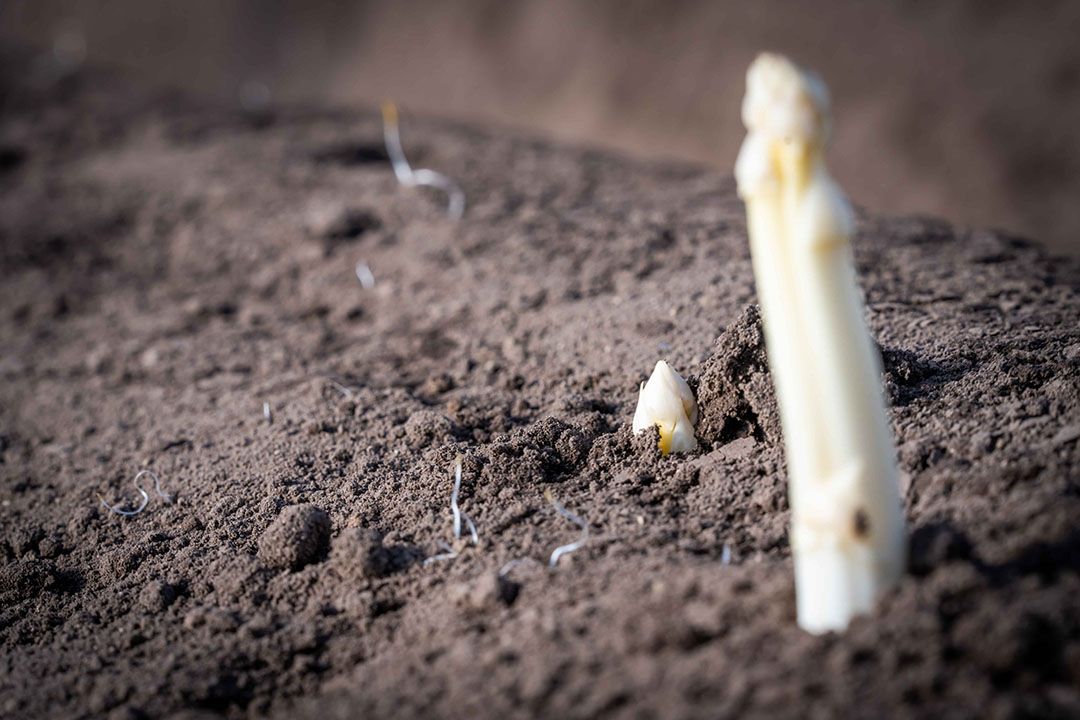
300, 535
359, 554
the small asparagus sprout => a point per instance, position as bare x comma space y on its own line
268, 414
847, 534
569, 547
455, 196
667, 402
145, 496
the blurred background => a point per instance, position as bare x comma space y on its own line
966, 109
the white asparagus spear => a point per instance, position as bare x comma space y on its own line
847, 533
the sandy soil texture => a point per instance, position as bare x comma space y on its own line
179, 295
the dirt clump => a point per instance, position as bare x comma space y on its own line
359, 554
299, 535
734, 390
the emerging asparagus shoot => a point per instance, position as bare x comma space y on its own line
667, 402
847, 533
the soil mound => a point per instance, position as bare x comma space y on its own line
168, 304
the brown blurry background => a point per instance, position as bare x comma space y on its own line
968, 110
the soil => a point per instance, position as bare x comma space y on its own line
179, 295
965, 109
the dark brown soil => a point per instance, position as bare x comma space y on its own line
166, 269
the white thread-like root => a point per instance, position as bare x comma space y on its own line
448, 554
570, 547
458, 514
157, 484
365, 276
509, 565
127, 513
455, 196
339, 387
145, 496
